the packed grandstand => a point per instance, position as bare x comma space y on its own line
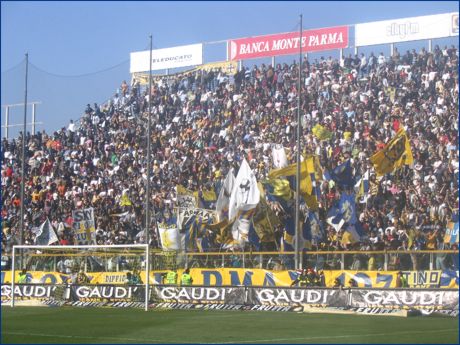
206, 123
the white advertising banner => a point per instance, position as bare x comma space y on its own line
406, 29
181, 56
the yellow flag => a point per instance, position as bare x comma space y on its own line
311, 201
281, 188
318, 169
209, 195
291, 170
394, 155
321, 132
265, 220
125, 200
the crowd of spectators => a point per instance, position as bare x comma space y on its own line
204, 123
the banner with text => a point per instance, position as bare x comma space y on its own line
84, 226
405, 299
268, 298
288, 43
258, 277
309, 296
406, 29
181, 56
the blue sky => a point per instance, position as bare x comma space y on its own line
68, 42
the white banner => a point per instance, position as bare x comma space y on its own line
181, 56
84, 226
406, 29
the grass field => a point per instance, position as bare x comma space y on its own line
88, 325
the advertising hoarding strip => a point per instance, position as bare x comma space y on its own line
288, 43
406, 29
372, 301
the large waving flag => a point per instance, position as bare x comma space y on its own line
242, 227
344, 211
347, 207
223, 201
335, 218
196, 230
245, 194
46, 235
306, 166
394, 155
264, 219
279, 156
317, 232
343, 175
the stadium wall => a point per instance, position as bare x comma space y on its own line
447, 279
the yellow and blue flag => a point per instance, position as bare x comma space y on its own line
396, 153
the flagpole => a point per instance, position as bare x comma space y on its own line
297, 189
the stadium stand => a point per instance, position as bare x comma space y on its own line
206, 122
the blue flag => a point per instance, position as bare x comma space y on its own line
356, 230
343, 175
335, 217
344, 211
316, 228
347, 207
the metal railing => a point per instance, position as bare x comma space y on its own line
391, 260
333, 260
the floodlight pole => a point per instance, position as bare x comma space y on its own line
147, 200
297, 189
23, 160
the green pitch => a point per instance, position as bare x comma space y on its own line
88, 325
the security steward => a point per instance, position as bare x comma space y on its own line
22, 277
171, 277
186, 278
401, 280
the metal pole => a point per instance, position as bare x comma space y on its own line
147, 277
392, 49
430, 46
33, 118
273, 62
7, 115
13, 272
147, 198
297, 197
23, 159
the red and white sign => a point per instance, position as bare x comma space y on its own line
288, 43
